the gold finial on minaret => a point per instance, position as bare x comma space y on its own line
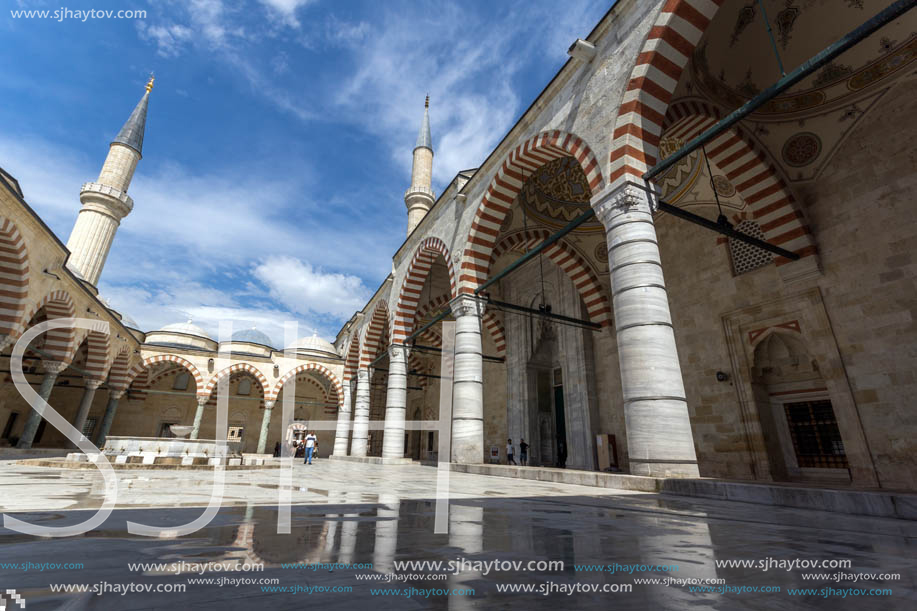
149, 84
426, 103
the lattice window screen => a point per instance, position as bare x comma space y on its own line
745, 257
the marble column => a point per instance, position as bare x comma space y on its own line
659, 440
361, 415
468, 382
198, 416
52, 370
396, 398
265, 425
342, 432
89, 393
109, 417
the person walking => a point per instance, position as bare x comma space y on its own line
310, 447
509, 452
523, 452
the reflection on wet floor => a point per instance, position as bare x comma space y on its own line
354, 527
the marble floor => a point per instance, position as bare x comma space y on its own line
351, 515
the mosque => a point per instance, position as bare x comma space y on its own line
725, 283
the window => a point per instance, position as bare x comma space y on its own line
816, 438
235, 433
181, 381
88, 427
745, 257
245, 387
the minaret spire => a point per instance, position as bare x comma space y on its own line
106, 202
419, 197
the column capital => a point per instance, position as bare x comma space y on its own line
92, 383
363, 374
398, 351
115, 393
467, 305
5, 340
269, 404
202, 400
625, 196
55, 367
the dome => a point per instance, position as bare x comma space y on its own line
252, 336
187, 328
314, 345
129, 322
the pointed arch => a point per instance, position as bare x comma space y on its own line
14, 279
668, 46
98, 355
170, 358
566, 257
235, 367
412, 287
505, 186
119, 376
749, 168
59, 343
377, 327
314, 368
352, 362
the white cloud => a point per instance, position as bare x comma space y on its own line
285, 10
170, 39
306, 289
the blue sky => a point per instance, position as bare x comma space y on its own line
279, 137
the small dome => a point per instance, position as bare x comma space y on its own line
187, 328
315, 345
252, 336
129, 322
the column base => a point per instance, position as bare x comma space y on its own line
373, 460
661, 468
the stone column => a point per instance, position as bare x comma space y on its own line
86, 403
395, 402
659, 440
109, 416
361, 415
265, 425
198, 416
342, 433
52, 370
468, 382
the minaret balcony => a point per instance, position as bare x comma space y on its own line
121, 196
420, 190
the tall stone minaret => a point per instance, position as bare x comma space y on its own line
419, 197
106, 201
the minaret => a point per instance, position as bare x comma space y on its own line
419, 197
106, 201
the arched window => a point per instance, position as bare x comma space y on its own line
245, 387
746, 257
181, 381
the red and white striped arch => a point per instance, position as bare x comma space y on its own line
235, 368
14, 279
314, 368
412, 287
488, 320
505, 186
352, 362
748, 167
119, 375
98, 355
139, 381
575, 265
377, 328
59, 343
669, 45
170, 358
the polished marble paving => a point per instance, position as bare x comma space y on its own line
357, 513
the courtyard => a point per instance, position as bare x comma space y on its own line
363, 535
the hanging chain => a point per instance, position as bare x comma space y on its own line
770, 33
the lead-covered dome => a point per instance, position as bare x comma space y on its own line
314, 345
186, 328
252, 336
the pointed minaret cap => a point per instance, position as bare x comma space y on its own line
423, 138
132, 133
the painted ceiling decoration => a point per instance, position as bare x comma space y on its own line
802, 129
556, 193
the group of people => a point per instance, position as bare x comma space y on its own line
305, 448
523, 452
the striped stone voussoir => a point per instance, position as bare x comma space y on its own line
505, 186
59, 343
412, 287
14, 279
378, 326
310, 368
234, 368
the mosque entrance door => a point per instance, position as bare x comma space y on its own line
560, 426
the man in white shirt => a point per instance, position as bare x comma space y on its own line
310, 447
509, 452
